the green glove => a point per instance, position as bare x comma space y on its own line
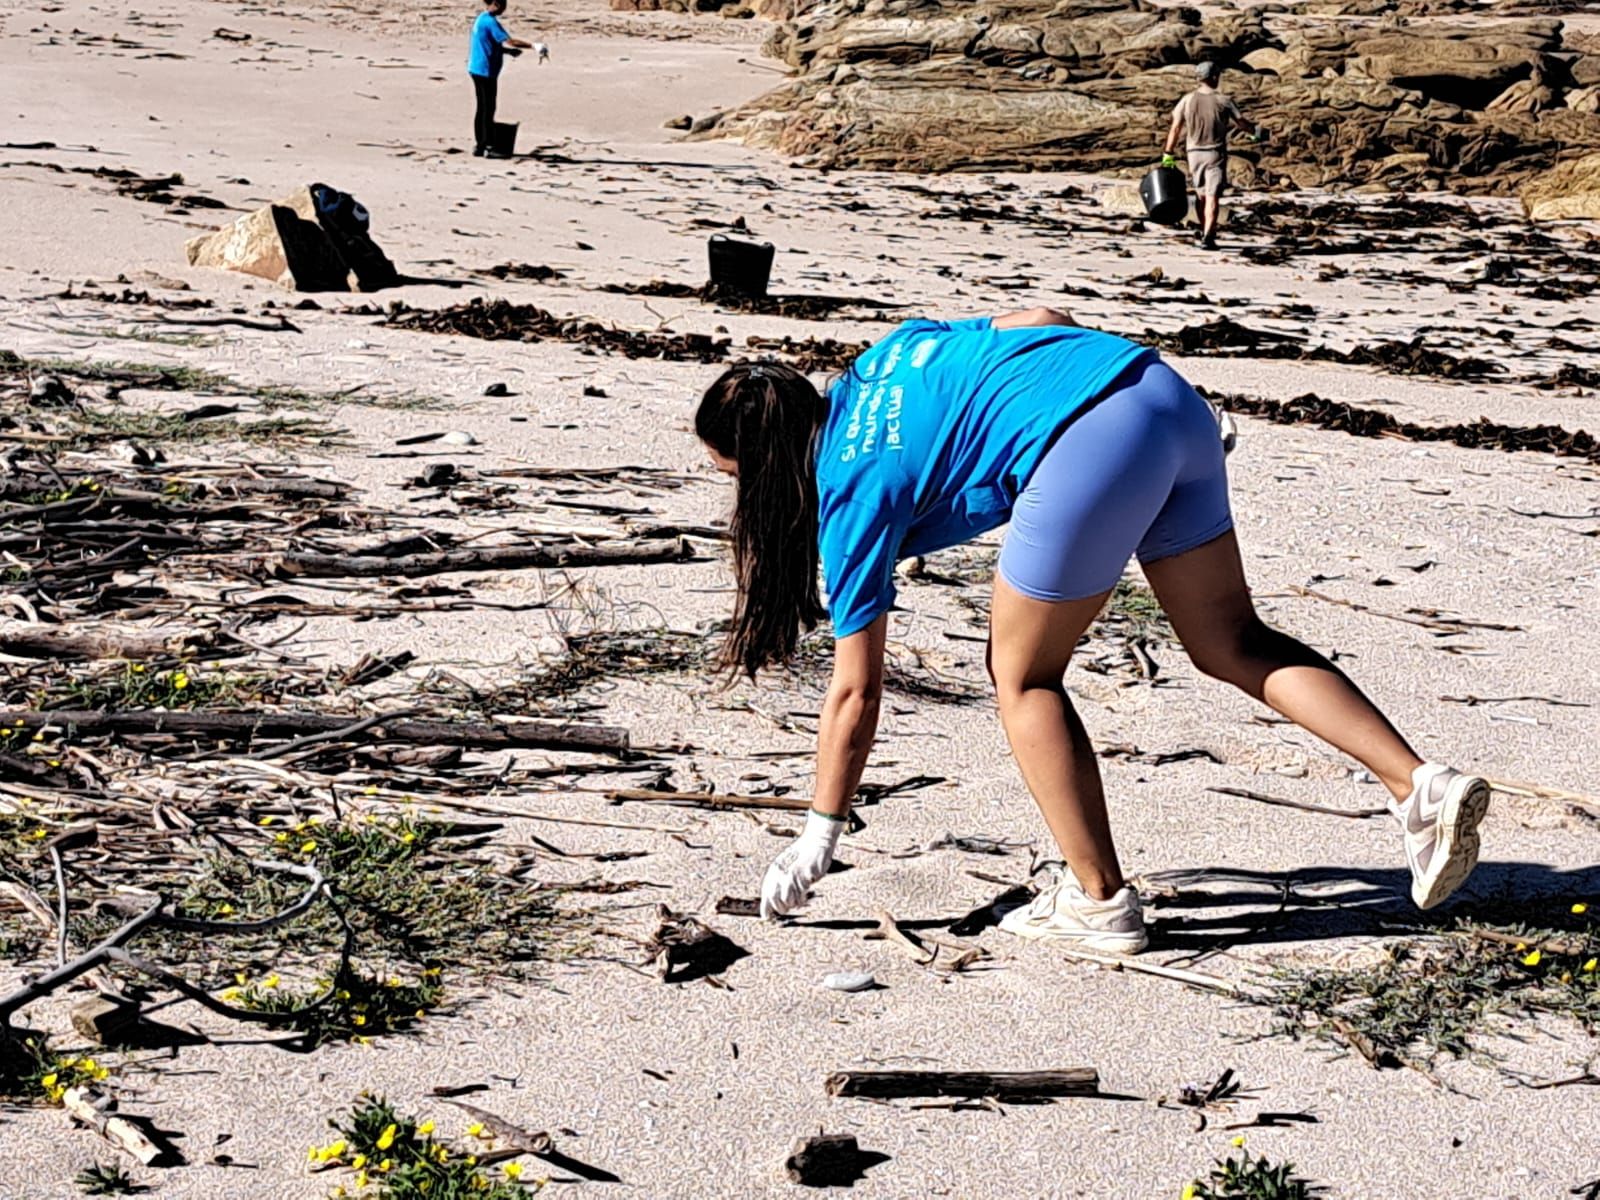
1169, 160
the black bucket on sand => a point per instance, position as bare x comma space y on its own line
503, 138
744, 268
1165, 193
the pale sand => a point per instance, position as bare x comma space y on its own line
745, 1067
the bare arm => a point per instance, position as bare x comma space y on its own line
517, 44
1174, 134
849, 717
1029, 318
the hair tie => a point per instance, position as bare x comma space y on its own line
759, 371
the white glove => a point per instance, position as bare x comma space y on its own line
790, 877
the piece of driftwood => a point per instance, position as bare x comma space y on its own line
248, 725
968, 1085
1539, 791
98, 1111
826, 1160
705, 799
889, 930
92, 642
738, 906
1117, 962
494, 558
1261, 798
515, 1137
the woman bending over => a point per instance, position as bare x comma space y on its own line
1094, 450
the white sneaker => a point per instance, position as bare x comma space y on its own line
1440, 819
1064, 911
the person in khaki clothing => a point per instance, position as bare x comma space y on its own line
1204, 119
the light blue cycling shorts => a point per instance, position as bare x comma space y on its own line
1140, 471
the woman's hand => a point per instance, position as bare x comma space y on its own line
844, 740
790, 878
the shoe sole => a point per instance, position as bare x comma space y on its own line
1111, 943
1466, 803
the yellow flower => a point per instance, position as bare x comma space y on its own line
361, 1179
1532, 960
266, 820
241, 978
419, 1014
138, 669
408, 837
102, 1072
308, 847
49, 1081
358, 1019
224, 910
271, 981
1591, 964
1188, 1192
475, 1129
1239, 1141
425, 1128
386, 1139
358, 1162
180, 681
1580, 909
313, 1154
55, 762
88, 1064
281, 838
388, 1162
371, 790
39, 835
230, 995
512, 1170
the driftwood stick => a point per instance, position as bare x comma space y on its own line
1199, 979
506, 558
97, 1110
514, 1136
81, 643
1539, 791
967, 1085
1355, 813
705, 799
889, 930
1441, 623
494, 735
85, 962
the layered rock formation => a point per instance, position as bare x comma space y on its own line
1386, 100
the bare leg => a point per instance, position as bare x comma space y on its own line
1204, 593
1212, 206
1030, 644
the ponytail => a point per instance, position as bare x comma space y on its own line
765, 417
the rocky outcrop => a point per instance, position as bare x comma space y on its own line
314, 240
931, 85
1571, 190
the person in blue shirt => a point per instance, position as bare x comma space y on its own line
490, 44
1094, 450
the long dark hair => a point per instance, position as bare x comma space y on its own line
765, 417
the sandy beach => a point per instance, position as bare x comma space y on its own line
1456, 584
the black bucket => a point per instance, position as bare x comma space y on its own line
1165, 193
503, 138
744, 268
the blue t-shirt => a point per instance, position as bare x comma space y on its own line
932, 434
486, 56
